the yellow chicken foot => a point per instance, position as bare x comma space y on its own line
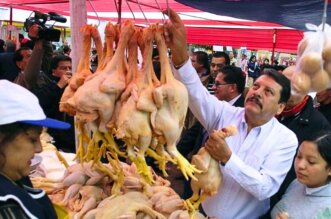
190, 207
143, 169
198, 202
115, 163
80, 149
89, 151
141, 165
101, 152
83, 137
195, 197
110, 140
187, 169
160, 159
62, 159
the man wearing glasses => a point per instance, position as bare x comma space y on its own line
229, 85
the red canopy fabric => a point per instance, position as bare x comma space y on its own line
253, 35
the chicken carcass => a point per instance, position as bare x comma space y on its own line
87, 198
129, 207
95, 99
133, 121
210, 179
83, 69
171, 99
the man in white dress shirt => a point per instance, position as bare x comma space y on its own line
255, 161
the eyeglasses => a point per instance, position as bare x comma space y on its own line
218, 84
219, 66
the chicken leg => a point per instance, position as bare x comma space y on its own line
171, 99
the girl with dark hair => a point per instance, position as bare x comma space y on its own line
309, 195
253, 70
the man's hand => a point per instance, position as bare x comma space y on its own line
33, 32
175, 37
218, 148
64, 80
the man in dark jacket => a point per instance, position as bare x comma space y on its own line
59, 78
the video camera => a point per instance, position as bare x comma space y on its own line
45, 31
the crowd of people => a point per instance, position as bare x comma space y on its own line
277, 166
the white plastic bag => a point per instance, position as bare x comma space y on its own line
313, 68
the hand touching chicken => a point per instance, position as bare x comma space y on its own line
207, 160
217, 146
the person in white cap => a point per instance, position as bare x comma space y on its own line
21, 122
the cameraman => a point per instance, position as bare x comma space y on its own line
31, 76
36, 77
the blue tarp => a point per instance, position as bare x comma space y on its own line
291, 13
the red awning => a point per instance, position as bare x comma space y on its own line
201, 29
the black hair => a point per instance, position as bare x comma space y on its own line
59, 58
282, 80
322, 139
66, 49
202, 58
234, 75
18, 55
253, 56
279, 67
224, 55
264, 66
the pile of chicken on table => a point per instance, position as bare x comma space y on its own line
147, 114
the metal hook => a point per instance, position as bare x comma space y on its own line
324, 14
146, 20
118, 13
164, 18
95, 12
168, 12
134, 18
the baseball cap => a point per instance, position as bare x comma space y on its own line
18, 104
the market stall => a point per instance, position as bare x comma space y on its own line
127, 103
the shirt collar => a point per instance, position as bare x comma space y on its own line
234, 99
263, 128
319, 191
